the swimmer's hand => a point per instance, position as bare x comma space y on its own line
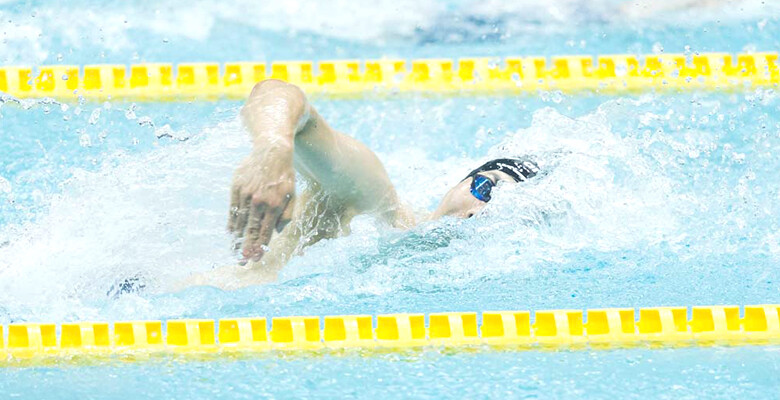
262, 198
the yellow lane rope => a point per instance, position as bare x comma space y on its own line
598, 328
605, 74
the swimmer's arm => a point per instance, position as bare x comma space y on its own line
261, 197
348, 170
281, 123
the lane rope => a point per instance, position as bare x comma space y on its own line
573, 329
206, 81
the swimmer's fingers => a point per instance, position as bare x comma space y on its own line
242, 216
259, 230
256, 215
235, 205
286, 215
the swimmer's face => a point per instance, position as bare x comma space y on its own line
460, 203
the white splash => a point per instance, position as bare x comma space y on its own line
157, 215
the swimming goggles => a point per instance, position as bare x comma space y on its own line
481, 187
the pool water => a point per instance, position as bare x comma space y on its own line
645, 200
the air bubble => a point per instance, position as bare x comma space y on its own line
130, 112
146, 121
93, 118
85, 140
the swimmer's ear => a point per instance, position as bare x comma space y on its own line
286, 216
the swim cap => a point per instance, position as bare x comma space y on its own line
518, 169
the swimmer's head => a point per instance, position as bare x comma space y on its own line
474, 191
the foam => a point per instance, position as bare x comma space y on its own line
153, 215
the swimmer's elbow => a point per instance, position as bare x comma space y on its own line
270, 85
275, 100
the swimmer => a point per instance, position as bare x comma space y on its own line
343, 179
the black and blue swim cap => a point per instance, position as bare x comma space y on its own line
519, 169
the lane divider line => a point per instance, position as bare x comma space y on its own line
339, 78
595, 328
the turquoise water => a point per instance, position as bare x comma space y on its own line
683, 373
646, 200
